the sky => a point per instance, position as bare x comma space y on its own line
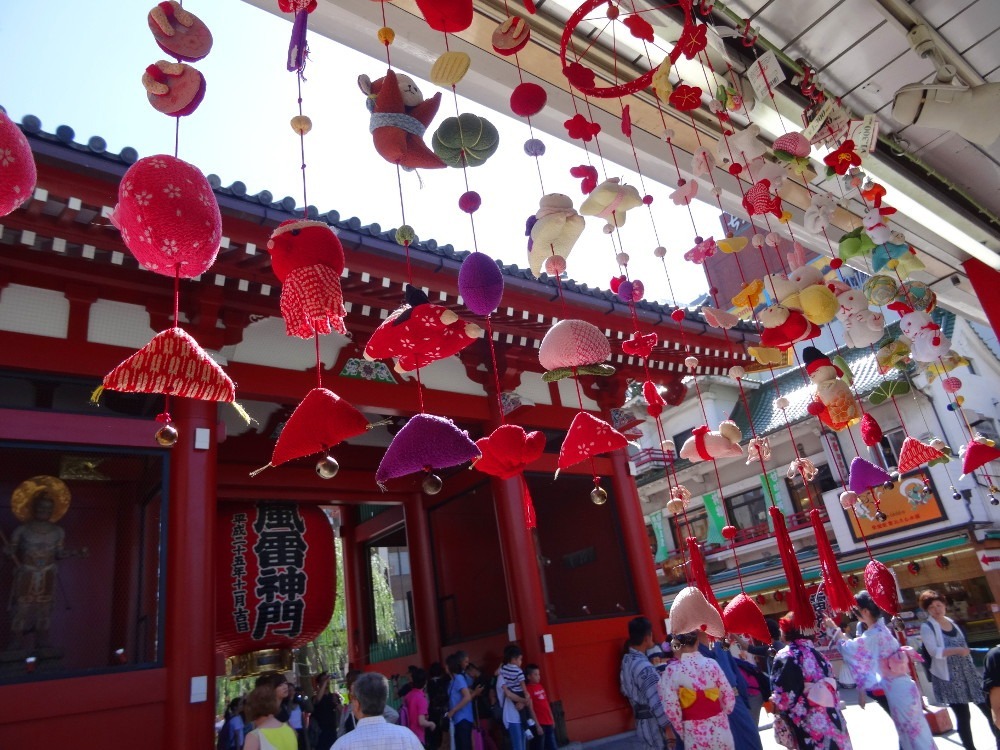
81, 66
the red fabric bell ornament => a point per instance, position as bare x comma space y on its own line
307, 258
321, 421
838, 594
587, 437
796, 585
978, 454
168, 216
507, 452
449, 16
17, 167
881, 585
743, 616
172, 364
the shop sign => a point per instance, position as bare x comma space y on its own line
989, 559
277, 569
912, 502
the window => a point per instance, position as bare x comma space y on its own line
803, 500
680, 437
696, 525
747, 509
391, 597
888, 450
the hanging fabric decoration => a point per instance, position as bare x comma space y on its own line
506, 453
743, 616
881, 584
426, 443
321, 421
699, 574
799, 599
839, 596
17, 167
179, 32
308, 259
574, 347
400, 117
587, 437
979, 452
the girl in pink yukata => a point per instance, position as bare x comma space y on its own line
804, 692
877, 660
697, 697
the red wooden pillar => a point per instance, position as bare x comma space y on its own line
354, 591
189, 636
610, 394
986, 281
425, 611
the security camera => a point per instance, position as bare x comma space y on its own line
956, 280
973, 113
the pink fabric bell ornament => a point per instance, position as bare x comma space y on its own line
691, 611
308, 259
17, 167
168, 216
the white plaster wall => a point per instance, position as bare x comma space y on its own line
533, 387
27, 309
569, 398
449, 374
265, 343
119, 324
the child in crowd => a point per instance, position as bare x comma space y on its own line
540, 709
512, 683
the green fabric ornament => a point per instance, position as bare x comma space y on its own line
887, 390
855, 243
600, 370
465, 141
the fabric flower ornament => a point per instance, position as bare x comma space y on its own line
732, 244
766, 355
702, 251
580, 76
694, 39
841, 160
627, 121
749, 296
639, 345
588, 176
639, 27
874, 195
685, 192
719, 318
685, 98
702, 161
580, 128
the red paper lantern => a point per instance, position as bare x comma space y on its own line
277, 576
779, 596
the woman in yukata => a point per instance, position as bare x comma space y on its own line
697, 697
804, 692
877, 660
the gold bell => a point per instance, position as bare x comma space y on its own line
301, 124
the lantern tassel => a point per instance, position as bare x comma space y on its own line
699, 576
528, 505
244, 414
838, 594
804, 615
255, 472
95, 397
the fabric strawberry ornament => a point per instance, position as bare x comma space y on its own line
17, 167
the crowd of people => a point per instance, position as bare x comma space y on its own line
696, 692
450, 706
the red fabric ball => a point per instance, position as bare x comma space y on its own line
871, 432
677, 315
168, 216
815, 408
729, 532
17, 167
836, 263
528, 99
735, 169
647, 200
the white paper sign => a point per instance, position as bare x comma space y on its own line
817, 122
765, 74
864, 133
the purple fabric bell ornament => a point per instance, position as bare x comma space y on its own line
425, 443
480, 282
865, 475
